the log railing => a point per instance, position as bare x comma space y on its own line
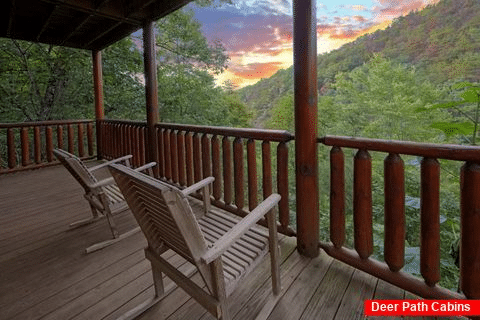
121, 137
394, 246
30, 145
189, 153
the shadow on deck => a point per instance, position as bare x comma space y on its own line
45, 274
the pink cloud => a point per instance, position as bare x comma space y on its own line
393, 8
360, 18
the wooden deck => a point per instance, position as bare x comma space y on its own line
45, 274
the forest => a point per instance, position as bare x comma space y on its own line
415, 81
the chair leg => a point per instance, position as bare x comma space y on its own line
106, 243
219, 289
108, 214
274, 252
95, 217
158, 282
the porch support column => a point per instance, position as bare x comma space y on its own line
98, 91
306, 156
151, 93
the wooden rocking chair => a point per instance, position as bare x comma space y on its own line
224, 248
104, 197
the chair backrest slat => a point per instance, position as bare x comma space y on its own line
76, 168
161, 212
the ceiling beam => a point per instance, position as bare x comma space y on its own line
92, 8
70, 33
46, 22
113, 27
159, 10
11, 18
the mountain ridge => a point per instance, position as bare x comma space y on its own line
442, 41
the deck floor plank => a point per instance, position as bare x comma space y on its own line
330, 291
360, 288
45, 274
301, 290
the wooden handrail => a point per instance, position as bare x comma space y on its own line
427, 150
41, 123
394, 246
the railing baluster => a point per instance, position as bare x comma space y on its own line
25, 146
128, 139
227, 170
90, 138
37, 144
206, 161
197, 157
123, 139
394, 243
103, 132
238, 172
430, 221
60, 137
173, 155
134, 145
282, 184
81, 147
142, 145
337, 197
470, 226
252, 175
181, 158
189, 158
49, 143
160, 164
266, 169
217, 184
362, 204
71, 147
12, 157
166, 153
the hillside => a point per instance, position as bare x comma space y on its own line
442, 42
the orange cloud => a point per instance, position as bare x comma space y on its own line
256, 70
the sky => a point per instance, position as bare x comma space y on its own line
257, 34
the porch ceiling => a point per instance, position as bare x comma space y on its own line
86, 24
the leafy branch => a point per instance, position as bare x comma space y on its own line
470, 96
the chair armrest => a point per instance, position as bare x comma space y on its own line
102, 183
146, 166
109, 162
197, 186
109, 181
229, 238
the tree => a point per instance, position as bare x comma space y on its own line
42, 82
379, 100
466, 110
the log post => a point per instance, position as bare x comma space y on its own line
306, 156
98, 91
151, 93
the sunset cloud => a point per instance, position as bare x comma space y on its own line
258, 34
389, 9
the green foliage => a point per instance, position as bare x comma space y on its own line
187, 91
379, 99
282, 114
465, 107
41, 82
124, 92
